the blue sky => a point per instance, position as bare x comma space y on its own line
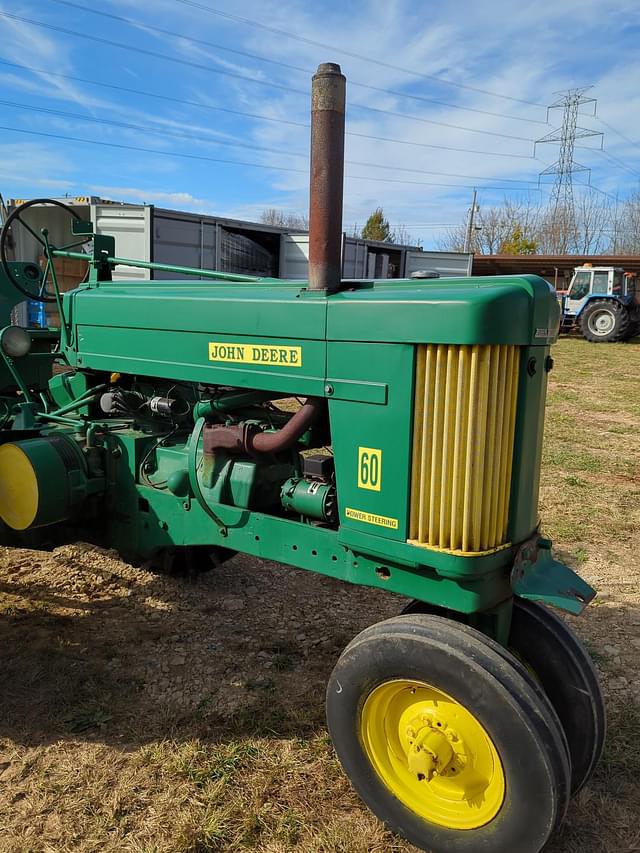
474, 58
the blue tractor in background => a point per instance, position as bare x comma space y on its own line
603, 303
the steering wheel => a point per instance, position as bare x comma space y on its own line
38, 290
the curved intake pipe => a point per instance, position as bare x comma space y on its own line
245, 438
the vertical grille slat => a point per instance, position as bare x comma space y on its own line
446, 485
501, 394
418, 424
427, 430
460, 443
436, 444
508, 451
463, 434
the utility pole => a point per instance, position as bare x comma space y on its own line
472, 212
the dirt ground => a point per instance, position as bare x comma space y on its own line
150, 714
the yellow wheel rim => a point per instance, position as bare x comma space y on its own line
19, 495
432, 754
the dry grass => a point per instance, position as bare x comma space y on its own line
146, 715
591, 508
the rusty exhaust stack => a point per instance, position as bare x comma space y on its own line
328, 94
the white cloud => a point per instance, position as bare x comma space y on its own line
24, 43
27, 162
153, 196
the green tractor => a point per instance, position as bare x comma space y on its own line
412, 464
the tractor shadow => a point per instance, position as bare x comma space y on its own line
131, 657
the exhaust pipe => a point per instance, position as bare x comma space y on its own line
328, 95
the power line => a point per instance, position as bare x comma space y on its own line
441, 147
120, 145
618, 133
145, 26
597, 189
154, 29
185, 155
258, 116
159, 131
237, 19
444, 174
618, 162
609, 155
162, 132
430, 184
549, 188
166, 58
162, 56
146, 94
445, 103
441, 123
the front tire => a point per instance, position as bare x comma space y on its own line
566, 672
445, 740
563, 669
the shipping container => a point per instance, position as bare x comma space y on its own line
374, 259
148, 233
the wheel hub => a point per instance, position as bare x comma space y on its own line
602, 322
433, 754
430, 750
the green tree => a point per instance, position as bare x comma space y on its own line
377, 227
517, 243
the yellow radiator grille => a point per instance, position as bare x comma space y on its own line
464, 424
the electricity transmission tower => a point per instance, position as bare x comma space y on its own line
565, 166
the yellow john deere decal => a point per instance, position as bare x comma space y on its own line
285, 356
371, 518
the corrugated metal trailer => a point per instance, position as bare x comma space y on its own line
148, 233
374, 259
448, 264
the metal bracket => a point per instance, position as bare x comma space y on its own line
537, 576
25, 418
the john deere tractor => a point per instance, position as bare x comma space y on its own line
468, 721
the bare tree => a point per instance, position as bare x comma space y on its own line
592, 226
402, 237
557, 231
584, 229
498, 225
494, 227
282, 219
593, 221
453, 239
626, 225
